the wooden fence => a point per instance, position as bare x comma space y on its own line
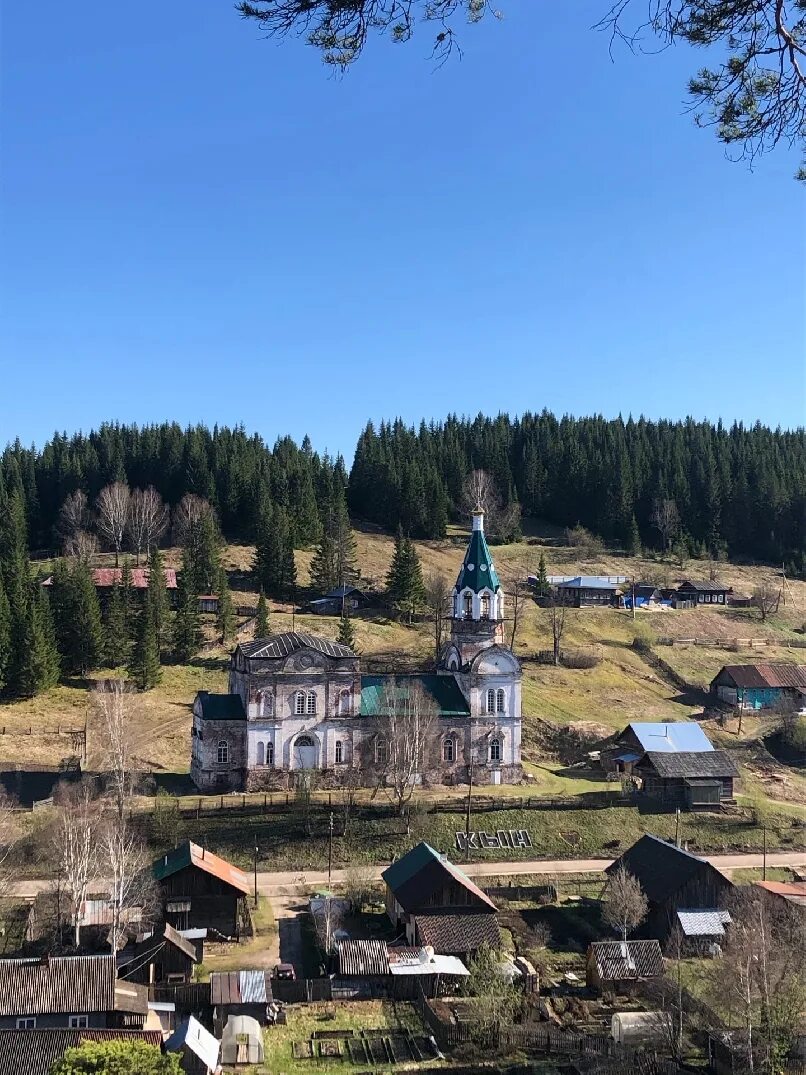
733, 643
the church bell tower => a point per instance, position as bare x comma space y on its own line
477, 619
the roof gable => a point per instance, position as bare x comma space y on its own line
423, 871
670, 736
661, 868
765, 675
190, 854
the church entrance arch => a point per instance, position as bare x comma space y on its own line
305, 754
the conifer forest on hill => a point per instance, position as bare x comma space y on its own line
739, 491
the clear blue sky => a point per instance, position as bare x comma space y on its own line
201, 225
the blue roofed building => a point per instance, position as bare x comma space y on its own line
299, 702
589, 591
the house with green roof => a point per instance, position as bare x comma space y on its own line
299, 702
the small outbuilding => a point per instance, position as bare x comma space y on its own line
639, 1029
240, 992
164, 956
343, 600
241, 1042
619, 966
702, 927
197, 1048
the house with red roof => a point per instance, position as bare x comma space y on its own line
200, 889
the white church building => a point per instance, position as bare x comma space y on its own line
299, 702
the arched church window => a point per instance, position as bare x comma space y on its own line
304, 741
485, 606
381, 752
500, 700
310, 703
223, 752
468, 606
448, 750
299, 703
344, 704
491, 700
268, 704
339, 752
261, 754
270, 753
495, 750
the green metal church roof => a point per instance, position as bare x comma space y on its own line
443, 691
477, 572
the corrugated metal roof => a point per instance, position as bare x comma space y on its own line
588, 582
33, 1052
60, 984
443, 693
618, 961
363, 958
240, 987
703, 922
702, 587
792, 891
291, 642
190, 1034
671, 736
254, 986
190, 854
766, 675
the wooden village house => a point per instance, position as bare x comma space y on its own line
622, 754
164, 956
75, 992
703, 593
691, 780
672, 880
200, 889
760, 686
34, 1052
437, 905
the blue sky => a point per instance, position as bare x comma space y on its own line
201, 225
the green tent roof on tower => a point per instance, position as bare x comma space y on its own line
478, 571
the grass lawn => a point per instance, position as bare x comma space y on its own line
252, 954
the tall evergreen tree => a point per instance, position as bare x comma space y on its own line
542, 585
158, 594
187, 626
405, 583
635, 538
77, 616
6, 648
225, 620
117, 640
346, 633
144, 663
39, 670
274, 565
261, 617
203, 546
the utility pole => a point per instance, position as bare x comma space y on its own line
764, 867
469, 801
256, 851
677, 827
330, 853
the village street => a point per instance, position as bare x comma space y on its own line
288, 883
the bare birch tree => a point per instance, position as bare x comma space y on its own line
112, 507
518, 593
626, 906
76, 848
147, 520
81, 545
74, 516
558, 607
479, 493
190, 510
126, 862
666, 520
116, 709
766, 599
437, 594
9, 835
405, 732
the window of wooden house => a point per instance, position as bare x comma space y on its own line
77, 1022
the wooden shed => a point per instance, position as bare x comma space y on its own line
200, 889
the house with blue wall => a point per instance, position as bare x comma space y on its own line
760, 686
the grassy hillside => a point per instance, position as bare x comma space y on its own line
624, 686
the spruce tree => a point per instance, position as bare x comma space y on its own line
187, 628
346, 634
542, 586
158, 594
39, 670
77, 614
225, 619
323, 575
6, 649
15, 575
274, 565
117, 640
144, 663
405, 583
635, 538
261, 617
